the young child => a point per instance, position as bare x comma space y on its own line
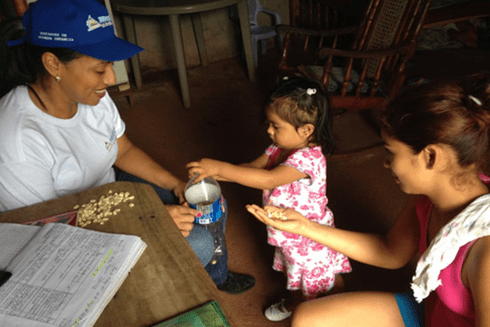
292, 174
438, 140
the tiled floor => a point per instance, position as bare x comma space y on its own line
225, 123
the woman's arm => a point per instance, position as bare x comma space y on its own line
252, 175
135, 161
476, 276
392, 251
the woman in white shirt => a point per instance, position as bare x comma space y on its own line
60, 132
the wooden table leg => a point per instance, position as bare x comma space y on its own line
135, 60
201, 44
247, 40
180, 58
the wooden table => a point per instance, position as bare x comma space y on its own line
167, 280
174, 8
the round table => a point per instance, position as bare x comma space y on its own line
174, 8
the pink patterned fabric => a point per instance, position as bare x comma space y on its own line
484, 178
308, 265
454, 305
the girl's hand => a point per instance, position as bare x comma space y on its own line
287, 220
204, 168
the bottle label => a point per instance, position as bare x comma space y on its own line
211, 212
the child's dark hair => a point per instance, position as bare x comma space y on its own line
299, 101
454, 113
21, 64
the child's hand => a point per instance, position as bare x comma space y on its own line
204, 168
287, 220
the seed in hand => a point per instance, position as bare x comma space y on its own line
276, 215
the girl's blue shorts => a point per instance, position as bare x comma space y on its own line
412, 311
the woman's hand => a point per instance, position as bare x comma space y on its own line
183, 217
287, 220
179, 191
204, 168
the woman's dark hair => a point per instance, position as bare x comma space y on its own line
299, 101
21, 64
455, 113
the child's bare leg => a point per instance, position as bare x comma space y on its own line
296, 297
349, 309
293, 300
339, 285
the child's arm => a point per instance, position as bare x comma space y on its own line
391, 251
251, 175
260, 162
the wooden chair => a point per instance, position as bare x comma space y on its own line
321, 14
457, 12
370, 70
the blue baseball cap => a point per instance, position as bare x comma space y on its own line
80, 25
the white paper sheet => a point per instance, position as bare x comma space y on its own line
65, 276
13, 238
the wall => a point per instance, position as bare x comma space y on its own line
222, 36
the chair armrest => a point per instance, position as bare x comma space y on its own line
298, 30
275, 14
368, 54
454, 13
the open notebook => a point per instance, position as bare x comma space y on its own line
62, 275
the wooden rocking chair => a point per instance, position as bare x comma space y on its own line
361, 66
372, 70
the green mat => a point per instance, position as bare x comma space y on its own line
207, 315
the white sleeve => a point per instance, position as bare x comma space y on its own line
23, 184
27, 179
119, 124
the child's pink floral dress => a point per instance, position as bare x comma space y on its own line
308, 265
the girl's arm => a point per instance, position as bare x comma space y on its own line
260, 162
251, 175
392, 251
476, 276
135, 161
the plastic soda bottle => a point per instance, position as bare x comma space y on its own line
206, 197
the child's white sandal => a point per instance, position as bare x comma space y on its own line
277, 312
